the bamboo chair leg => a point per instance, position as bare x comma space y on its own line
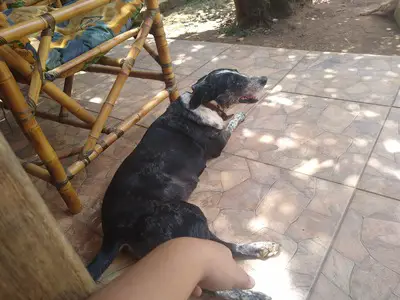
118, 84
68, 83
163, 50
27, 121
40, 67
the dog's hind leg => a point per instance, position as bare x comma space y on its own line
103, 259
239, 295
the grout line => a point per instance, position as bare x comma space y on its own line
377, 194
339, 224
290, 170
340, 99
395, 97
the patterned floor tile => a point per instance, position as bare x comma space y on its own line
187, 56
255, 61
327, 138
83, 80
382, 174
357, 77
134, 94
247, 201
364, 263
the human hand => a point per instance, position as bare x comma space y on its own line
221, 272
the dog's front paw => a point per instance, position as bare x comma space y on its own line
253, 295
235, 121
240, 116
265, 250
242, 295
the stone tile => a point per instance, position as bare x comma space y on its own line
83, 80
364, 261
325, 289
248, 201
326, 138
255, 61
357, 77
382, 174
134, 94
187, 56
85, 242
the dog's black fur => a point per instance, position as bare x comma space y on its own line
145, 204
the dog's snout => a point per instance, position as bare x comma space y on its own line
263, 80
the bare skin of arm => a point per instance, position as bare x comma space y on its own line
176, 270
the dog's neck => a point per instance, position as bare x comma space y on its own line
204, 115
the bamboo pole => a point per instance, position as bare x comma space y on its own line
30, 2
109, 139
74, 123
37, 171
111, 61
163, 50
27, 28
44, 3
65, 153
36, 260
68, 83
116, 70
37, 74
96, 51
17, 63
119, 83
27, 121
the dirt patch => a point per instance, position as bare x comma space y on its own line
328, 25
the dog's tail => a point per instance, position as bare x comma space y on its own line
103, 259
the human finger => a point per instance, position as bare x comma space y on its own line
197, 292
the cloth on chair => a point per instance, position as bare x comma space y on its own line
77, 35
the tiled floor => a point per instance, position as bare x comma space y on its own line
315, 167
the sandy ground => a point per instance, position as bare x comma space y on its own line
328, 25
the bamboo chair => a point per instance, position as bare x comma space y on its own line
19, 3
100, 137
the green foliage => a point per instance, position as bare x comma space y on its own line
235, 30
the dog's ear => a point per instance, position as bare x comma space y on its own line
201, 94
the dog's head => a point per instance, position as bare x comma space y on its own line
226, 87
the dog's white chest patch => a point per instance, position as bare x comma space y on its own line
207, 116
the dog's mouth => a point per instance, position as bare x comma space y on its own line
248, 99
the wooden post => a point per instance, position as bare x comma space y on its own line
36, 261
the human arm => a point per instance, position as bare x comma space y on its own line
175, 269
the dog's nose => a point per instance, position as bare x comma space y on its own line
263, 80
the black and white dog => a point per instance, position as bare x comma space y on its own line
145, 204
